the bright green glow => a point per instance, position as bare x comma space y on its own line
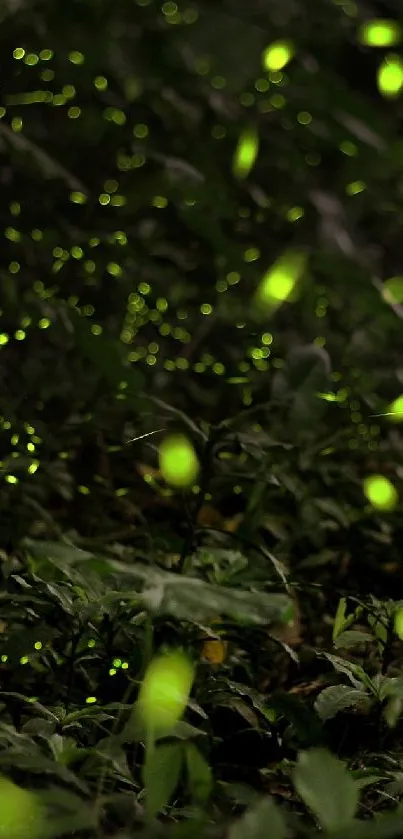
328, 397
399, 623
246, 153
380, 492
355, 187
380, 33
390, 76
277, 55
395, 410
178, 462
22, 816
279, 283
392, 290
165, 691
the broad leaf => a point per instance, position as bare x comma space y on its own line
352, 638
339, 697
71, 814
167, 593
384, 827
262, 821
161, 773
327, 788
199, 774
355, 673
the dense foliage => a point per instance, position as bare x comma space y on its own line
200, 368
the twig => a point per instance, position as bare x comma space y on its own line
49, 166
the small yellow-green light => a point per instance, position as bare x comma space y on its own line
390, 76
246, 153
277, 55
380, 33
178, 461
21, 814
164, 692
380, 492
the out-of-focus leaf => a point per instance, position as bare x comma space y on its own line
161, 772
36, 762
70, 814
262, 820
193, 600
327, 788
199, 774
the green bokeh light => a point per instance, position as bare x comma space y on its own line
21, 814
398, 623
246, 153
279, 283
395, 410
380, 33
178, 462
277, 55
380, 492
390, 76
165, 691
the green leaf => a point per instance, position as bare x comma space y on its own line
199, 774
161, 773
383, 827
352, 638
327, 788
304, 720
379, 628
71, 814
35, 762
355, 673
393, 710
339, 697
391, 686
262, 821
168, 593
192, 599
339, 618
330, 508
